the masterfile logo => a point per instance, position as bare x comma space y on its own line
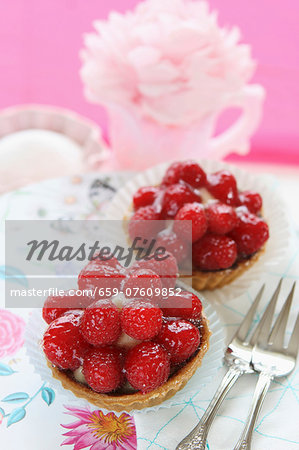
43, 256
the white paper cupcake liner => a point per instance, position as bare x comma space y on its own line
274, 212
212, 361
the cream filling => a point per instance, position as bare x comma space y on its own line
205, 195
126, 341
79, 376
119, 300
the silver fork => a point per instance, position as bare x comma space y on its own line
270, 358
238, 358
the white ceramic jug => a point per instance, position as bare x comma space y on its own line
139, 142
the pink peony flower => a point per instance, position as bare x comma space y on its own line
11, 333
167, 60
99, 431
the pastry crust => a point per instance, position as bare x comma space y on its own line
137, 401
216, 279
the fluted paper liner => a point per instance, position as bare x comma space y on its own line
186, 383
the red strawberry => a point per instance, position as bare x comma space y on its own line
63, 343
185, 305
143, 281
176, 196
145, 224
188, 171
195, 213
56, 305
107, 259
147, 366
163, 265
141, 320
193, 174
145, 196
100, 323
250, 233
252, 200
223, 185
214, 252
103, 274
102, 369
173, 244
172, 174
222, 218
180, 338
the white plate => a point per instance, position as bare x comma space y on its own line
274, 212
204, 375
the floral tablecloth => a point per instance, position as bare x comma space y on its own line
35, 417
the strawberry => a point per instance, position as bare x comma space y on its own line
222, 218
100, 323
102, 369
101, 273
214, 252
145, 224
250, 234
173, 244
252, 200
166, 268
176, 196
147, 366
187, 171
172, 174
193, 174
143, 283
141, 320
223, 186
196, 226
145, 196
180, 338
185, 305
56, 305
63, 343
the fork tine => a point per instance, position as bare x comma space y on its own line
293, 346
261, 332
279, 327
244, 328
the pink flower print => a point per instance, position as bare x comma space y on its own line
12, 329
99, 431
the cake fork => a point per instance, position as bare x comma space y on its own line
271, 358
238, 358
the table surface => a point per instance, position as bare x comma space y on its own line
33, 417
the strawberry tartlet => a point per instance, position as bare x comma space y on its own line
127, 351
228, 232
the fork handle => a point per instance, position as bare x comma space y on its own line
263, 384
198, 436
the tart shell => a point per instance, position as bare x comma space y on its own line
216, 279
137, 401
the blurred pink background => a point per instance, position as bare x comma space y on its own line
40, 42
